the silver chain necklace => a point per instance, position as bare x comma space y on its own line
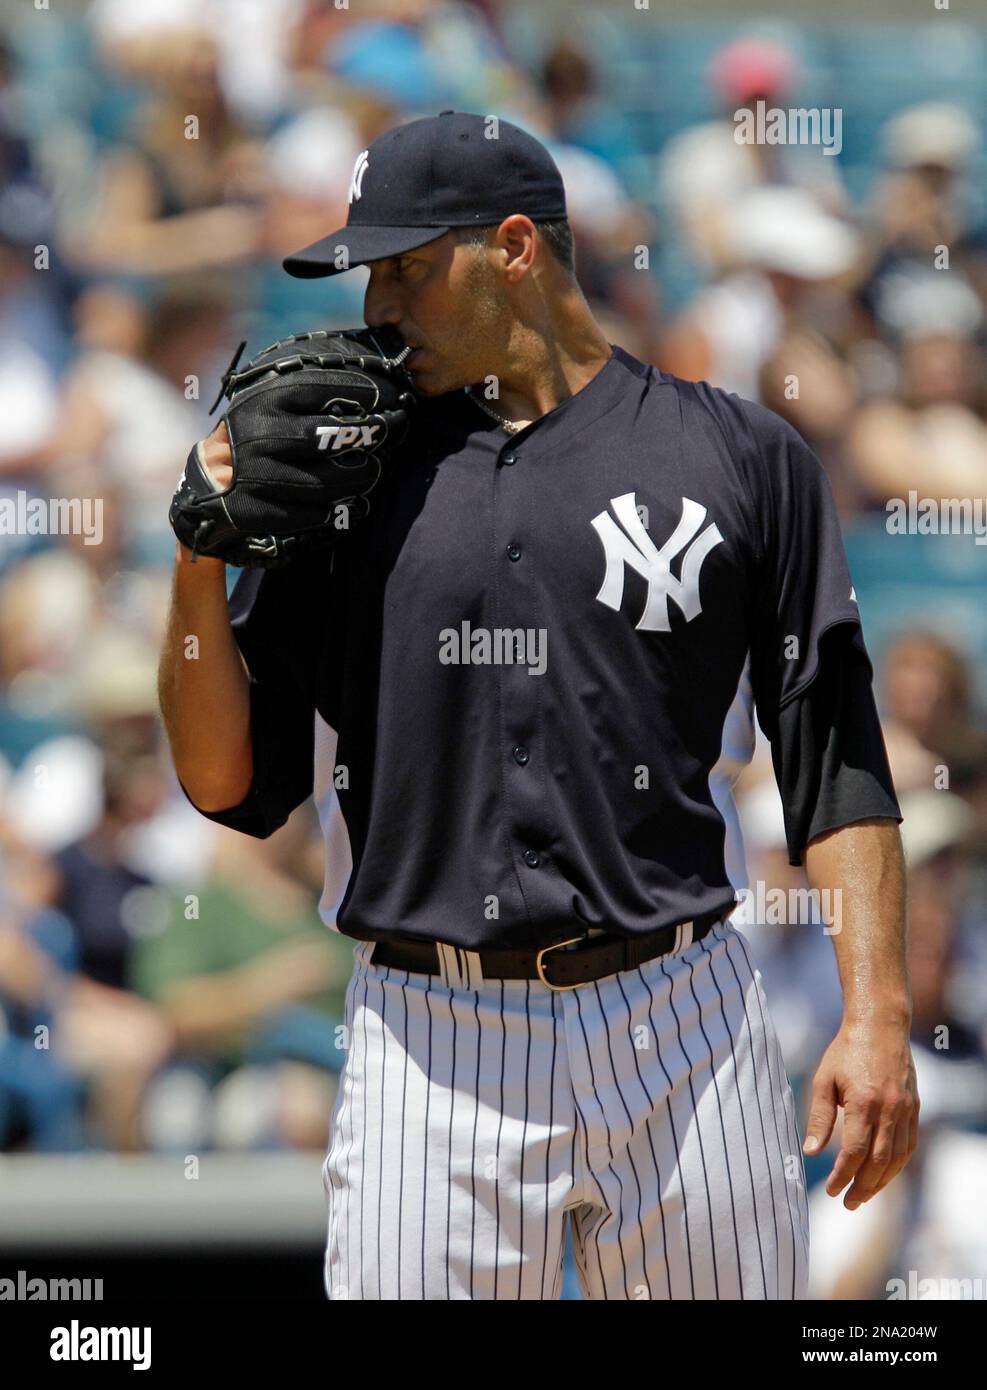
511, 426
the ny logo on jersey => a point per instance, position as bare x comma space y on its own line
359, 169
338, 437
633, 546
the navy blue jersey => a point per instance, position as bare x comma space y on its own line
527, 655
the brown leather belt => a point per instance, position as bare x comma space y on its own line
591, 958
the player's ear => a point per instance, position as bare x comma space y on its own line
517, 239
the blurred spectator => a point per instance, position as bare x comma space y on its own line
421, 55
40, 1098
936, 844
308, 162
706, 170
929, 433
608, 227
927, 692
106, 1035
179, 193
32, 305
102, 697
246, 47
577, 114
915, 1224
128, 418
98, 890
924, 204
31, 345
795, 956
787, 249
47, 608
253, 984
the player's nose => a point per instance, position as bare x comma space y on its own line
380, 305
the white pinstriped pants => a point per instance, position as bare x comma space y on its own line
651, 1107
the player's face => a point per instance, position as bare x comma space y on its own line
445, 300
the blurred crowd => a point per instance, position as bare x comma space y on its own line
166, 983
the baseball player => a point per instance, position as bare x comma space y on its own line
508, 689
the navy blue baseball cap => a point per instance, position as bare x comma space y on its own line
418, 181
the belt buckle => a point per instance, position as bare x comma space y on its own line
540, 968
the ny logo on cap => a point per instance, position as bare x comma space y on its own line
359, 169
633, 546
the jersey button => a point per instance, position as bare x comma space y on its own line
521, 755
532, 858
509, 459
513, 551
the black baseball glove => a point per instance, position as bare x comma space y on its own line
313, 421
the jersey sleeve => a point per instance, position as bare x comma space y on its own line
828, 752
279, 620
811, 674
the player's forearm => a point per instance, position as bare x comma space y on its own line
204, 688
864, 862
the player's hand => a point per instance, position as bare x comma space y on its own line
868, 1070
219, 456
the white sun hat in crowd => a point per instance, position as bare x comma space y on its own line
934, 132
785, 229
933, 821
